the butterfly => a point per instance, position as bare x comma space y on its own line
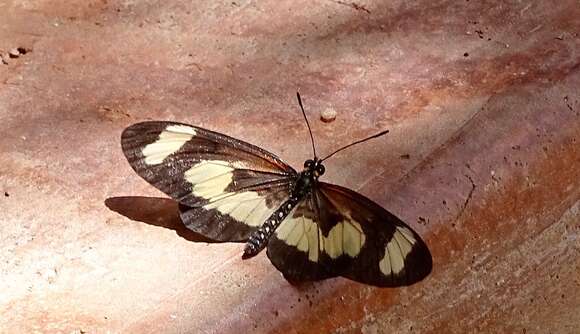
230, 190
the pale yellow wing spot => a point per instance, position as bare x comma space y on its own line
216, 187
294, 236
170, 141
300, 232
284, 229
258, 215
224, 207
333, 242
206, 171
232, 198
302, 244
246, 207
404, 245
394, 253
313, 246
407, 234
251, 210
181, 129
346, 237
385, 263
353, 239
354, 236
209, 178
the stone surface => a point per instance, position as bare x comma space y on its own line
481, 99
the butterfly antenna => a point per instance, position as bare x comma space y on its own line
356, 142
307, 124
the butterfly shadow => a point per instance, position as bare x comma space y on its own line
164, 212
154, 211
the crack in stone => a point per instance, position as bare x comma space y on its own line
468, 199
566, 100
353, 5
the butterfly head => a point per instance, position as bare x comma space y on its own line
314, 167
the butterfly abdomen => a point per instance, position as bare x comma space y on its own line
259, 239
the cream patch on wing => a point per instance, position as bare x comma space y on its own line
303, 233
397, 250
247, 207
300, 232
353, 238
346, 237
170, 141
209, 178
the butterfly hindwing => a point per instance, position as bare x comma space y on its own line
357, 239
294, 247
224, 185
235, 217
390, 254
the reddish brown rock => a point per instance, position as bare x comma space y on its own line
481, 98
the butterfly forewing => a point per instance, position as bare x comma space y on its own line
357, 239
219, 181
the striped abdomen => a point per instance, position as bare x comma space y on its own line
259, 239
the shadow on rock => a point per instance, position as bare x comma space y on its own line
155, 211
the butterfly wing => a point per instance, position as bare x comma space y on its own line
225, 187
356, 238
234, 218
294, 247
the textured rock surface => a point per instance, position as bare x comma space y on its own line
483, 159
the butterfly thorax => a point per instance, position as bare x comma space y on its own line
303, 185
308, 178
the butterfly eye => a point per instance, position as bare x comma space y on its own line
308, 163
320, 169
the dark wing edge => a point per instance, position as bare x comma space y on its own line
377, 248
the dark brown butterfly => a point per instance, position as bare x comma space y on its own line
229, 190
